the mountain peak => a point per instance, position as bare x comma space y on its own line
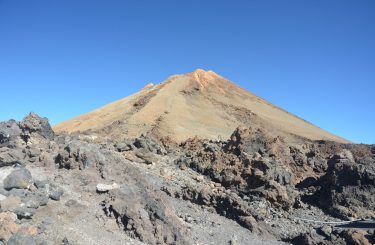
200, 103
204, 76
207, 81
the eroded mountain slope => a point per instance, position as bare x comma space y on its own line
200, 103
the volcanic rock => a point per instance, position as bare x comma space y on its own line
20, 179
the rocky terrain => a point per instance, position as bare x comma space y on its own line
192, 160
252, 188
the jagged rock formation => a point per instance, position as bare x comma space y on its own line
256, 185
200, 103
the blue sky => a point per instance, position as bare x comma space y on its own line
315, 59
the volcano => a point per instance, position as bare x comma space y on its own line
198, 104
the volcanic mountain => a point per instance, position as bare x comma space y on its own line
200, 103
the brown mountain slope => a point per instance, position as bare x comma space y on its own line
200, 104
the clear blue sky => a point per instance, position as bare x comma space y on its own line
314, 58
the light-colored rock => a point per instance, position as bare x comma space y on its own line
8, 225
104, 187
10, 203
199, 178
2, 197
4, 172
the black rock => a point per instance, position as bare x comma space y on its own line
65, 241
24, 212
32, 124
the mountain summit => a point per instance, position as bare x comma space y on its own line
200, 103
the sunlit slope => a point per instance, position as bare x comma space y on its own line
200, 103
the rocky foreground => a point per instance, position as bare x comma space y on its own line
253, 188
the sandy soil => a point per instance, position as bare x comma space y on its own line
200, 103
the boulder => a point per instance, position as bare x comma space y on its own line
105, 188
34, 124
8, 225
356, 237
123, 147
80, 154
148, 144
24, 212
144, 212
55, 192
22, 239
348, 188
146, 156
35, 199
20, 179
10, 157
250, 141
8, 130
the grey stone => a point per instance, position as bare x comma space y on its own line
20, 179
148, 144
55, 192
8, 130
79, 154
21, 239
24, 212
148, 157
36, 199
10, 157
34, 124
123, 147
21, 193
40, 184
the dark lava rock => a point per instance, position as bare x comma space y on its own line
33, 124
148, 144
348, 188
80, 154
55, 192
19, 179
248, 140
24, 212
146, 156
144, 212
8, 130
251, 162
65, 241
10, 157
